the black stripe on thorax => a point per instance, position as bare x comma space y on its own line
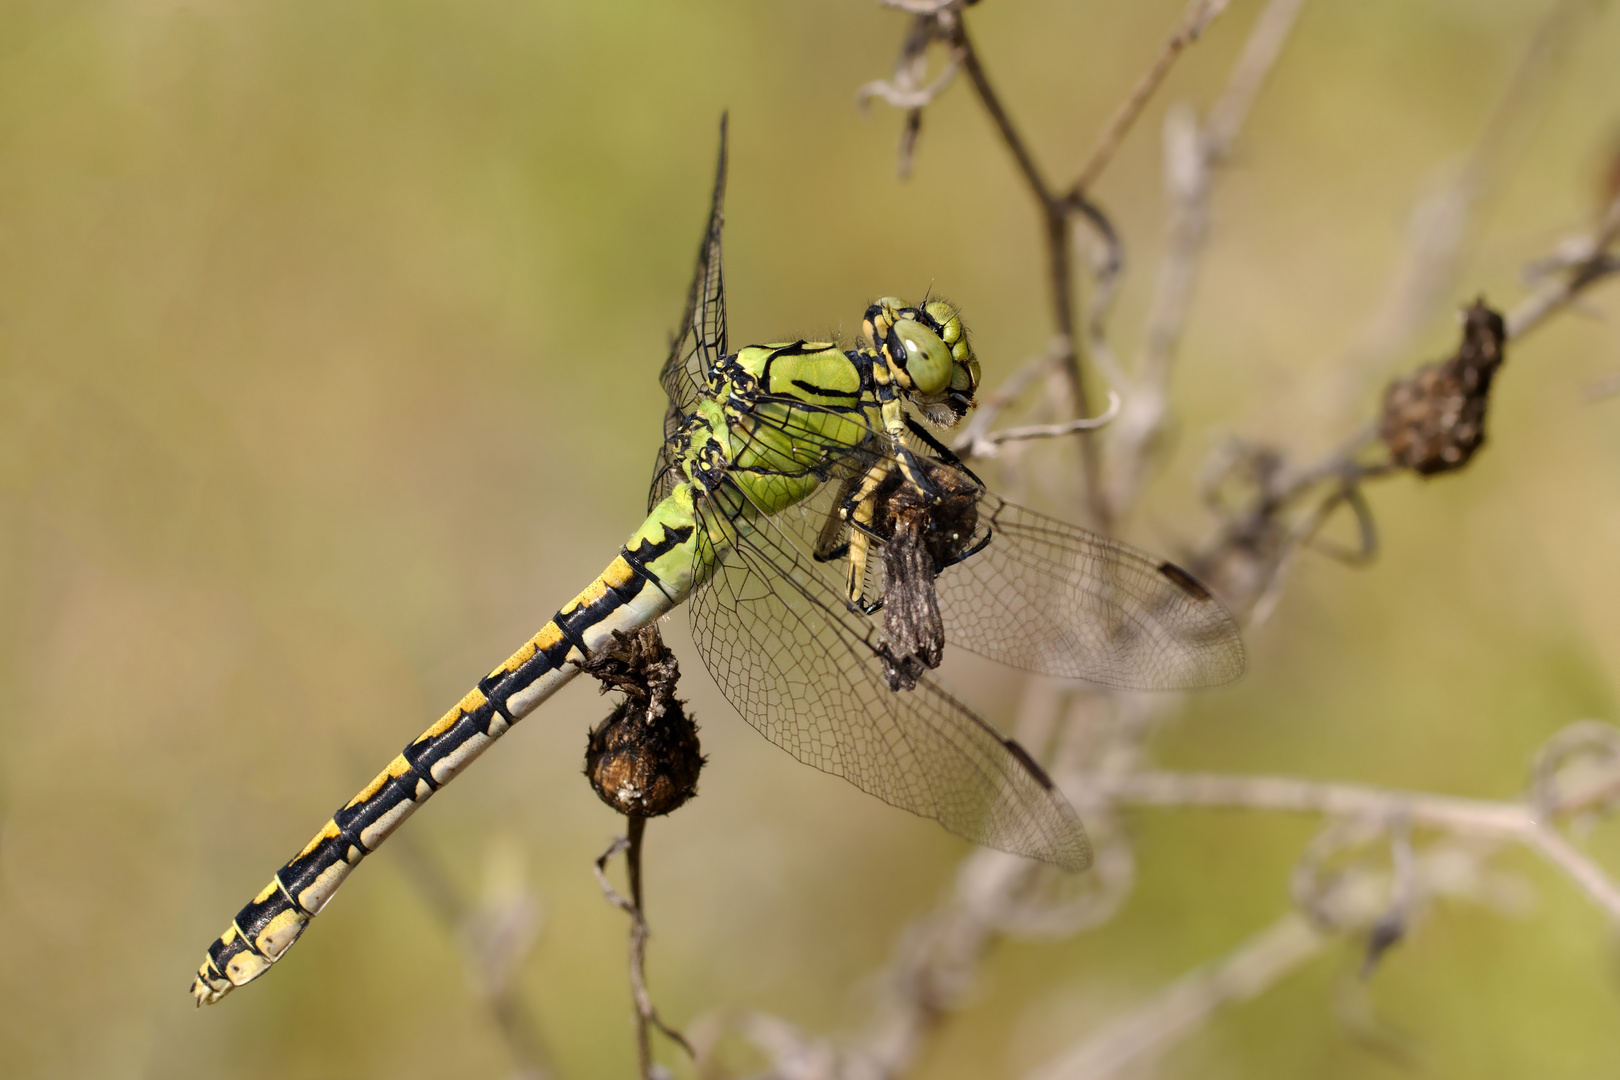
797, 348
802, 348
822, 391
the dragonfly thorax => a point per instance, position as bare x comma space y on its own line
703, 445
774, 419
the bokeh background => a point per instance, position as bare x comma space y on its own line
327, 347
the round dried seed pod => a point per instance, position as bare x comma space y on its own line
644, 759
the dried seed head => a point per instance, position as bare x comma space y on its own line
644, 759
1434, 420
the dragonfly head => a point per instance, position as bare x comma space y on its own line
927, 352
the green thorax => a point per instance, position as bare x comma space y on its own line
776, 417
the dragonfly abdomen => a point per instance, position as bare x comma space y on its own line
652, 573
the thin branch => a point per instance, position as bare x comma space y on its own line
906, 90
993, 404
906, 97
1060, 278
941, 955
1332, 901
985, 446
1590, 263
1264, 543
968, 57
1197, 17
1469, 817
1187, 1004
646, 1015
1192, 157
1440, 221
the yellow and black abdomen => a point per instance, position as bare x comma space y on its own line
654, 571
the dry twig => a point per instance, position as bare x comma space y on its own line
1439, 226
1517, 822
1192, 157
943, 21
646, 1015
1188, 1003
1100, 743
1197, 18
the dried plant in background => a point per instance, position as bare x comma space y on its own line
643, 761
1383, 855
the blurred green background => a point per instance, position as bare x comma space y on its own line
327, 347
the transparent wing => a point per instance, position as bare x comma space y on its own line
701, 339
774, 631
1045, 596
1050, 597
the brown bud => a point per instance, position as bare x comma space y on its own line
1434, 420
644, 759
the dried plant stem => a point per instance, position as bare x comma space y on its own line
1197, 17
646, 1015
985, 446
1055, 215
1515, 822
1187, 1004
1592, 263
993, 404
997, 896
944, 21
1192, 157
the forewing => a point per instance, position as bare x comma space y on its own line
1045, 596
701, 340
803, 669
1050, 597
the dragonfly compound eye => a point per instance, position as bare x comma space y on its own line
947, 322
923, 355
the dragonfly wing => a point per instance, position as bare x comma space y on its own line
701, 340
802, 668
1050, 597
1041, 595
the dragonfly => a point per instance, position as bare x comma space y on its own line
827, 544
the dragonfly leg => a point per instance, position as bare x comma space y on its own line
915, 476
830, 544
859, 509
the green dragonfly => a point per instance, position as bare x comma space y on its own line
800, 492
